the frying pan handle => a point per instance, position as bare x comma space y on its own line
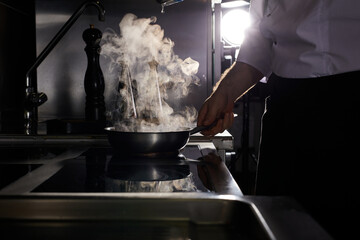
202, 128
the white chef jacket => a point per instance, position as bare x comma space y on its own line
303, 38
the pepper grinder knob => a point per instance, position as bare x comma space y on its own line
94, 79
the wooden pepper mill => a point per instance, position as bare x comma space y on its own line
94, 79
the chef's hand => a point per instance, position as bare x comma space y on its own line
217, 108
235, 82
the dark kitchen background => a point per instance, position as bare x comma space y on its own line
193, 25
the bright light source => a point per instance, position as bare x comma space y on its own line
233, 4
233, 25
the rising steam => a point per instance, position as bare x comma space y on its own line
147, 70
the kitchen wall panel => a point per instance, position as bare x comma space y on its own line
61, 75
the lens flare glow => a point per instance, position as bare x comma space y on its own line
233, 25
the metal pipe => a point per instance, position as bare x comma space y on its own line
33, 99
165, 3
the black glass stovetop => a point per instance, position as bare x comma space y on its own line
98, 170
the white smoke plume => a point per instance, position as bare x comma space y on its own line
147, 70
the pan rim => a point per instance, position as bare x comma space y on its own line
112, 129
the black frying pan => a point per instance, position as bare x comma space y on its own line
148, 143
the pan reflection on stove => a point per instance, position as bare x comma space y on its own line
149, 175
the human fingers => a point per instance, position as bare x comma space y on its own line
221, 125
217, 128
228, 120
202, 114
224, 123
207, 114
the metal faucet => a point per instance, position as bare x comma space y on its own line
166, 3
33, 99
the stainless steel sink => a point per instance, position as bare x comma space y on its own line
132, 216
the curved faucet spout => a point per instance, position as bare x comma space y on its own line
33, 99
61, 33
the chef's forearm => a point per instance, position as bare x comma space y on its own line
237, 80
